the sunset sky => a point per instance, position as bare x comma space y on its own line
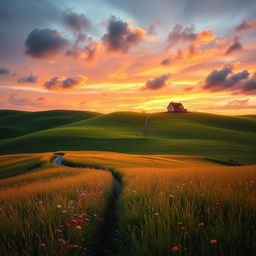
134, 55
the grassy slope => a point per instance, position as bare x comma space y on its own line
16, 123
202, 134
13, 165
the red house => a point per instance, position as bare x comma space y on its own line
176, 108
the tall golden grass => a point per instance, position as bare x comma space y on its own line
206, 209
45, 214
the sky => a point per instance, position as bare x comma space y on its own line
115, 55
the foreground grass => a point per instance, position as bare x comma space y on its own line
201, 212
56, 211
167, 208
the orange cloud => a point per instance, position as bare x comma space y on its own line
206, 36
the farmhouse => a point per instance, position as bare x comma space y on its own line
176, 108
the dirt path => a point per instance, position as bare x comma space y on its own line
108, 234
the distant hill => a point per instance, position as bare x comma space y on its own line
208, 135
16, 123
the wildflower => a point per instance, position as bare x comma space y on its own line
64, 211
42, 245
182, 228
156, 213
175, 248
179, 223
59, 230
68, 225
218, 204
201, 224
213, 241
78, 227
74, 221
62, 241
73, 246
59, 206
172, 196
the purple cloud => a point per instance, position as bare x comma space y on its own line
157, 83
44, 42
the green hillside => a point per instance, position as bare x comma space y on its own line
15, 123
208, 135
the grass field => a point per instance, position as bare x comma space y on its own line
159, 190
169, 205
177, 205
198, 134
52, 210
16, 123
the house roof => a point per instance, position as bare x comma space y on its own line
176, 105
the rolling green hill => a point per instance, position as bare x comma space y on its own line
208, 135
15, 123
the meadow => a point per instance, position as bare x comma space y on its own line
53, 210
176, 205
172, 189
168, 205
212, 136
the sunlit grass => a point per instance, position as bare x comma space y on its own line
187, 208
55, 211
207, 209
12, 165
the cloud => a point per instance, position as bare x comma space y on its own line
86, 53
239, 104
62, 83
25, 101
249, 85
181, 34
166, 61
32, 79
44, 42
75, 21
157, 83
246, 25
226, 79
206, 35
234, 46
120, 37
4, 71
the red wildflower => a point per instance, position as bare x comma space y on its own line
201, 224
179, 223
213, 241
42, 245
175, 248
218, 203
73, 246
68, 225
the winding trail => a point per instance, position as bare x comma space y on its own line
106, 244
